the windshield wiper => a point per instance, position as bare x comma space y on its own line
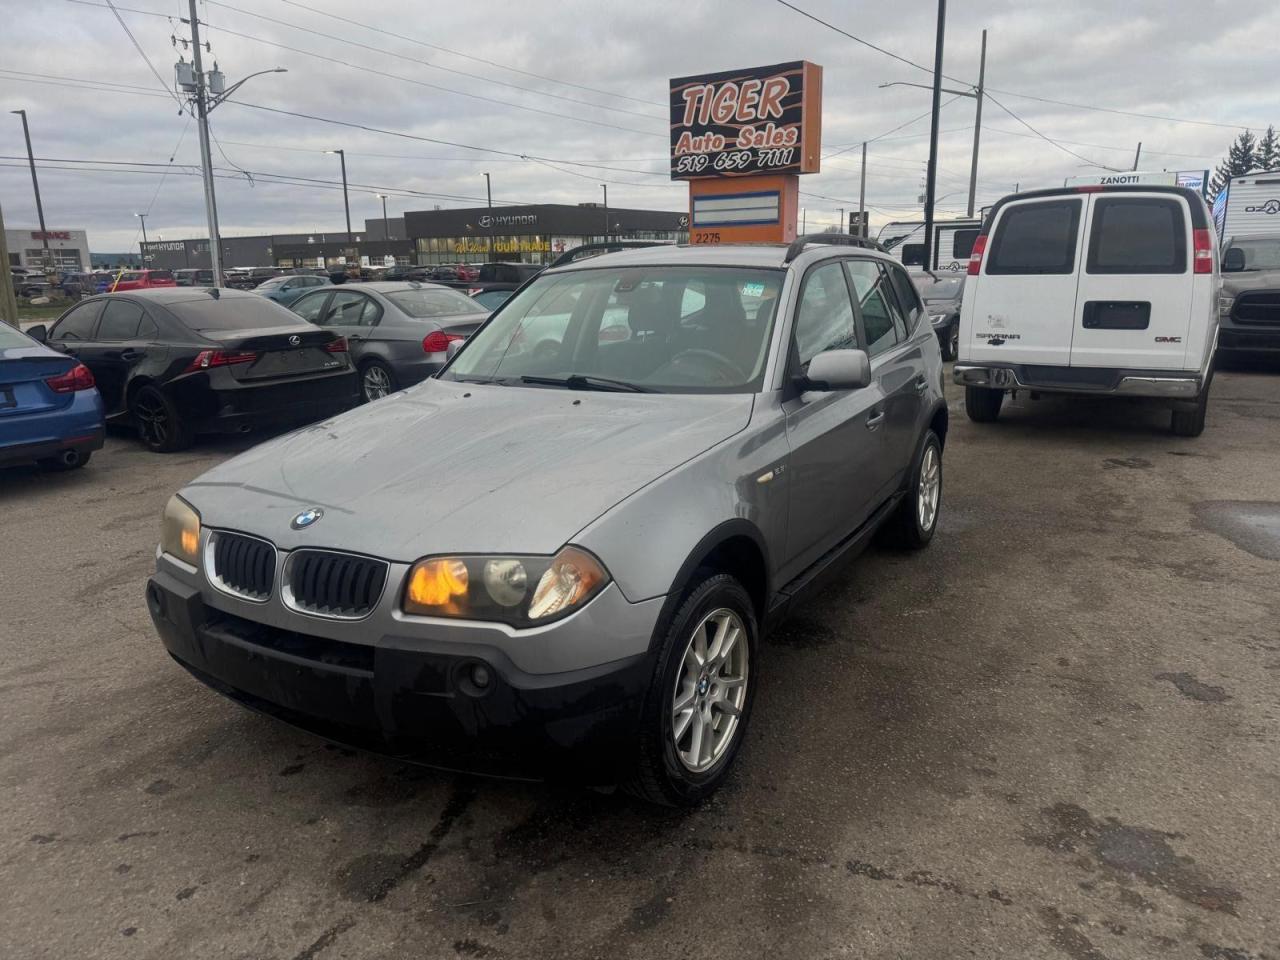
579, 381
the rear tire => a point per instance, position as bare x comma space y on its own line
1190, 423
376, 381
160, 427
916, 518
982, 404
666, 772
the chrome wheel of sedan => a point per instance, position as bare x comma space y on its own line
930, 487
710, 690
377, 382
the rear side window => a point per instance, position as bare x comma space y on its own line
880, 319
1137, 235
79, 323
120, 321
962, 244
1036, 238
913, 254
160, 275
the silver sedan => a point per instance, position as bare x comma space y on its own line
398, 333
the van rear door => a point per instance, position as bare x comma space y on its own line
1133, 308
1022, 307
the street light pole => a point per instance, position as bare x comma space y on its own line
488, 195
605, 188
386, 224
143, 249
346, 206
31, 159
842, 226
862, 195
931, 175
206, 158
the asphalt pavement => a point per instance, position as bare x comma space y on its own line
1052, 734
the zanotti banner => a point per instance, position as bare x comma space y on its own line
738, 123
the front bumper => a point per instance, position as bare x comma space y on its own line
1246, 338
1171, 384
411, 697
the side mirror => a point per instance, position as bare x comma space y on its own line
839, 370
1233, 261
39, 333
451, 351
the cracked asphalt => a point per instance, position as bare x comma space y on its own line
1052, 734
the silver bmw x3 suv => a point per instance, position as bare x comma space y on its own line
559, 556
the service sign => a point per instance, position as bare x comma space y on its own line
739, 123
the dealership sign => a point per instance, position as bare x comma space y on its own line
50, 234
509, 220
738, 123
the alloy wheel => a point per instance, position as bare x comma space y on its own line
152, 418
930, 488
710, 690
377, 383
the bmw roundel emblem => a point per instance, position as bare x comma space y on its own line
306, 518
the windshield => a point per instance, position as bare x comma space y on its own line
1261, 254
663, 328
428, 303
944, 288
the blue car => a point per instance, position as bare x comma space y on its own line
50, 411
287, 289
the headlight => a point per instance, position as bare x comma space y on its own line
1224, 306
180, 531
521, 591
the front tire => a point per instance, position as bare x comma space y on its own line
916, 518
982, 405
160, 427
699, 702
953, 342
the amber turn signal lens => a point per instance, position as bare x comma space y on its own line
180, 531
434, 585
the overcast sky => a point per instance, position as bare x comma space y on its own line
598, 98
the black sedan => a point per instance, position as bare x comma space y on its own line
178, 362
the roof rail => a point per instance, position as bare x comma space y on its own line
596, 249
840, 239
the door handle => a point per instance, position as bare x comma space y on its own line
922, 384
130, 355
874, 419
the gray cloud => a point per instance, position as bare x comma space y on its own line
1175, 59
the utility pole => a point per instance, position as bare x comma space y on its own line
1137, 155
386, 224
142, 250
977, 126
346, 205
843, 226
488, 195
206, 158
862, 195
605, 188
31, 159
804, 221
931, 175
8, 303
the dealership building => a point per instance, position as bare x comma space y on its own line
68, 249
534, 233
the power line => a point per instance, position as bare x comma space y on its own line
854, 146
1010, 93
402, 79
145, 59
467, 56
1066, 150
427, 63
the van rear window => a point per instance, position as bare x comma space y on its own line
1137, 235
1036, 238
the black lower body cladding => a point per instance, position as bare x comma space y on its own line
435, 704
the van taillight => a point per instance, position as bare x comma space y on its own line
975, 256
1202, 257
74, 380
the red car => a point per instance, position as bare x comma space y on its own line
141, 280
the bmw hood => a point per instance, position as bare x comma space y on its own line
463, 468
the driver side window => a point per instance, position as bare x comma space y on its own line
824, 317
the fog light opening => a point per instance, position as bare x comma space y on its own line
480, 676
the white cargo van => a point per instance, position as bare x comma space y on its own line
1097, 290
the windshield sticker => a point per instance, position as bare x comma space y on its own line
753, 289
